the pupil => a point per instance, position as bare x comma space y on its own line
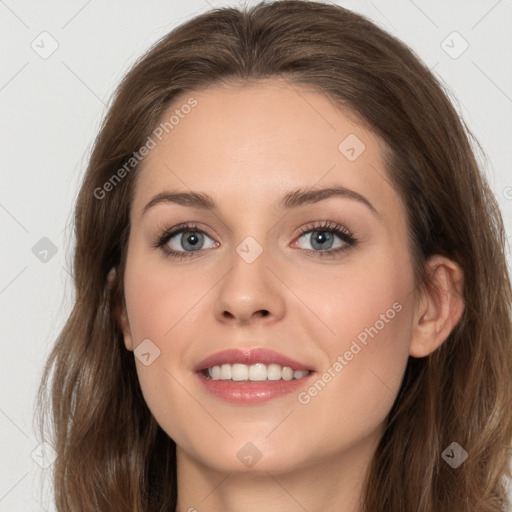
192, 239
321, 237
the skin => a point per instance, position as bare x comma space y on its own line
247, 146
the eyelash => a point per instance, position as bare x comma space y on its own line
342, 232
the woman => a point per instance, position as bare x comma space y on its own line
341, 337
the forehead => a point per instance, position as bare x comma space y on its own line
260, 139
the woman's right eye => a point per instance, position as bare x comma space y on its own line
184, 241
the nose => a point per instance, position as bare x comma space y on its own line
250, 292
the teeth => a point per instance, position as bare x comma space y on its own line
225, 372
239, 372
216, 372
274, 372
255, 372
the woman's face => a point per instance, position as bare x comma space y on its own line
253, 276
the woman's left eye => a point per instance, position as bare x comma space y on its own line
322, 239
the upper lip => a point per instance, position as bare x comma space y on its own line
248, 357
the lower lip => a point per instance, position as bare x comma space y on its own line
245, 392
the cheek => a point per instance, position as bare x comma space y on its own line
161, 308
365, 301
372, 315
368, 311
157, 299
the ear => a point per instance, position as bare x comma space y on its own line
120, 314
439, 309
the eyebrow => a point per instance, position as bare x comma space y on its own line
292, 199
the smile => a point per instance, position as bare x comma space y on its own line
253, 373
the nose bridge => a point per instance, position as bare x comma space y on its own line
250, 289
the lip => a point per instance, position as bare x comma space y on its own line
248, 357
248, 392
251, 393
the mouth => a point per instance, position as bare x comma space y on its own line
255, 364
251, 376
257, 372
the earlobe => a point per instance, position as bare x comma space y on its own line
122, 320
120, 314
439, 309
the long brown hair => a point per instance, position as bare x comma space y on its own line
112, 455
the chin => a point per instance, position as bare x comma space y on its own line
248, 455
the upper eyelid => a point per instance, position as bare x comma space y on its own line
183, 227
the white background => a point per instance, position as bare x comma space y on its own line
51, 111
